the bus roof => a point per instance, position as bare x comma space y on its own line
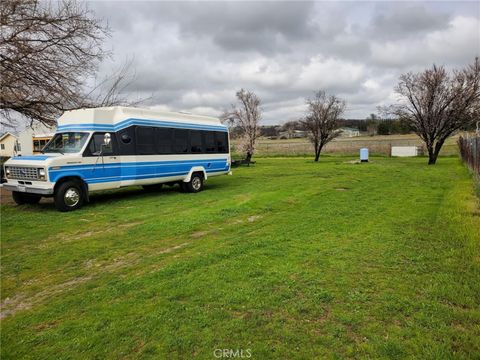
119, 117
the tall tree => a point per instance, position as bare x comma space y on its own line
246, 115
436, 103
48, 52
322, 119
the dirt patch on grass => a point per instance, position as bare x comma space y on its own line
199, 234
131, 224
341, 189
10, 306
170, 249
68, 238
6, 196
235, 221
254, 218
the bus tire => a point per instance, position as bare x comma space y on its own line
24, 198
69, 196
195, 184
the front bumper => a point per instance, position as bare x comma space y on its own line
32, 189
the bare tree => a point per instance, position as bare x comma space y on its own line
438, 103
321, 120
246, 115
48, 52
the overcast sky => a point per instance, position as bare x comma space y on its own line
193, 56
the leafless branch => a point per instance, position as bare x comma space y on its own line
48, 51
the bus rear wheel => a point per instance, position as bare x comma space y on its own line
194, 185
69, 196
25, 198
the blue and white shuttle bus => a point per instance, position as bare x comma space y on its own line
107, 148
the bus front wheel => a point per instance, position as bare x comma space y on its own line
69, 196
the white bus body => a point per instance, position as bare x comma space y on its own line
108, 148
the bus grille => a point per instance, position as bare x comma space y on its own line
23, 173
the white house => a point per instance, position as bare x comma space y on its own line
9, 145
349, 132
33, 138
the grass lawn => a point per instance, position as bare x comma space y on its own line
288, 258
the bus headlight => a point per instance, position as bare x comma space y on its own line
41, 174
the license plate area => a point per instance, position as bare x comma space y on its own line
21, 188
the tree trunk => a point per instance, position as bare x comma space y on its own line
433, 152
432, 158
248, 158
318, 150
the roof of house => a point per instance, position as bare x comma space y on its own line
6, 134
348, 129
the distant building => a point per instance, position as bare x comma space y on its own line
9, 145
34, 138
28, 142
349, 132
293, 134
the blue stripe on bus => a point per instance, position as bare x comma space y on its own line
130, 171
148, 176
135, 164
132, 121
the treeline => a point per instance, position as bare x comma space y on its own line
369, 127
365, 126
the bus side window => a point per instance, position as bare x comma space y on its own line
196, 145
95, 147
210, 142
221, 140
145, 140
164, 140
181, 141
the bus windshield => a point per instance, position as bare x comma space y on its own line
69, 142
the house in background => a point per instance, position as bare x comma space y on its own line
28, 142
33, 138
349, 132
9, 145
292, 134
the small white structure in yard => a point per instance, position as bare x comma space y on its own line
364, 155
404, 151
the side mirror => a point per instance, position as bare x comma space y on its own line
107, 138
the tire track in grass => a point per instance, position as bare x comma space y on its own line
11, 305
19, 302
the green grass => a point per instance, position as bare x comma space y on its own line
288, 258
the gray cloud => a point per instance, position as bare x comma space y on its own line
402, 20
193, 56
